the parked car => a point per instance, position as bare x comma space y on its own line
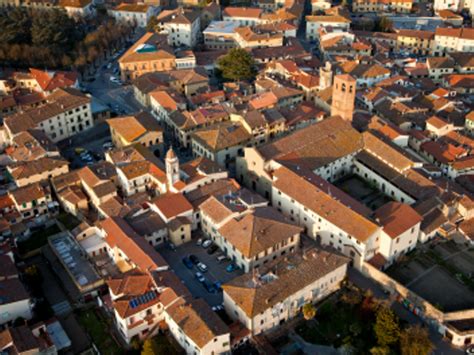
209, 286
212, 249
222, 258
115, 80
207, 243
218, 286
202, 267
107, 145
172, 246
189, 264
231, 267
217, 308
194, 259
200, 276
199, 242
96, 156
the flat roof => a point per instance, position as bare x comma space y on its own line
71, 256
225, 27
58, 335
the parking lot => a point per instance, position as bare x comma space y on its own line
216, 271
91, 141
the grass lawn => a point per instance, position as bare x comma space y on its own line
98, 329
37, 239
68, 220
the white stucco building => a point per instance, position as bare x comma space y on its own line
280, 289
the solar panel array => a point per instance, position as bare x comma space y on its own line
145, 298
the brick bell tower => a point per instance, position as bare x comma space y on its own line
343, 96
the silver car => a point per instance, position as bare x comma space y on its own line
202, 267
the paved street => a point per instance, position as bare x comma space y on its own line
442, 347
216, 271
118, 97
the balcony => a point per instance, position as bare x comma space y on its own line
150, 318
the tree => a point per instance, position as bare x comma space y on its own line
380, 350
135, 343
352, 297
53, 28
387, 329
355, 328
384, 24
34, 279
149, 348
152, 23
237, 64
309, 311
15, 24
158, 345
415, 340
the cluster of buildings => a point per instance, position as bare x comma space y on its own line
363, 147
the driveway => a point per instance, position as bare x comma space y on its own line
216, 271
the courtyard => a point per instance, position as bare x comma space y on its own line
362, 191
441, 273
216, 271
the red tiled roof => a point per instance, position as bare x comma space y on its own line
396, 218
119, 234
242, 12
51, 81
172, 205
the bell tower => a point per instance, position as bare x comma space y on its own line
172, 167
343, 96
325, 76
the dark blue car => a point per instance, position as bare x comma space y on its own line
209, 287
186, 261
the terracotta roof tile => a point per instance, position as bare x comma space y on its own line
172, 205
258, 231
242, 12
120, 234
396, 218
284, 278
304, 190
